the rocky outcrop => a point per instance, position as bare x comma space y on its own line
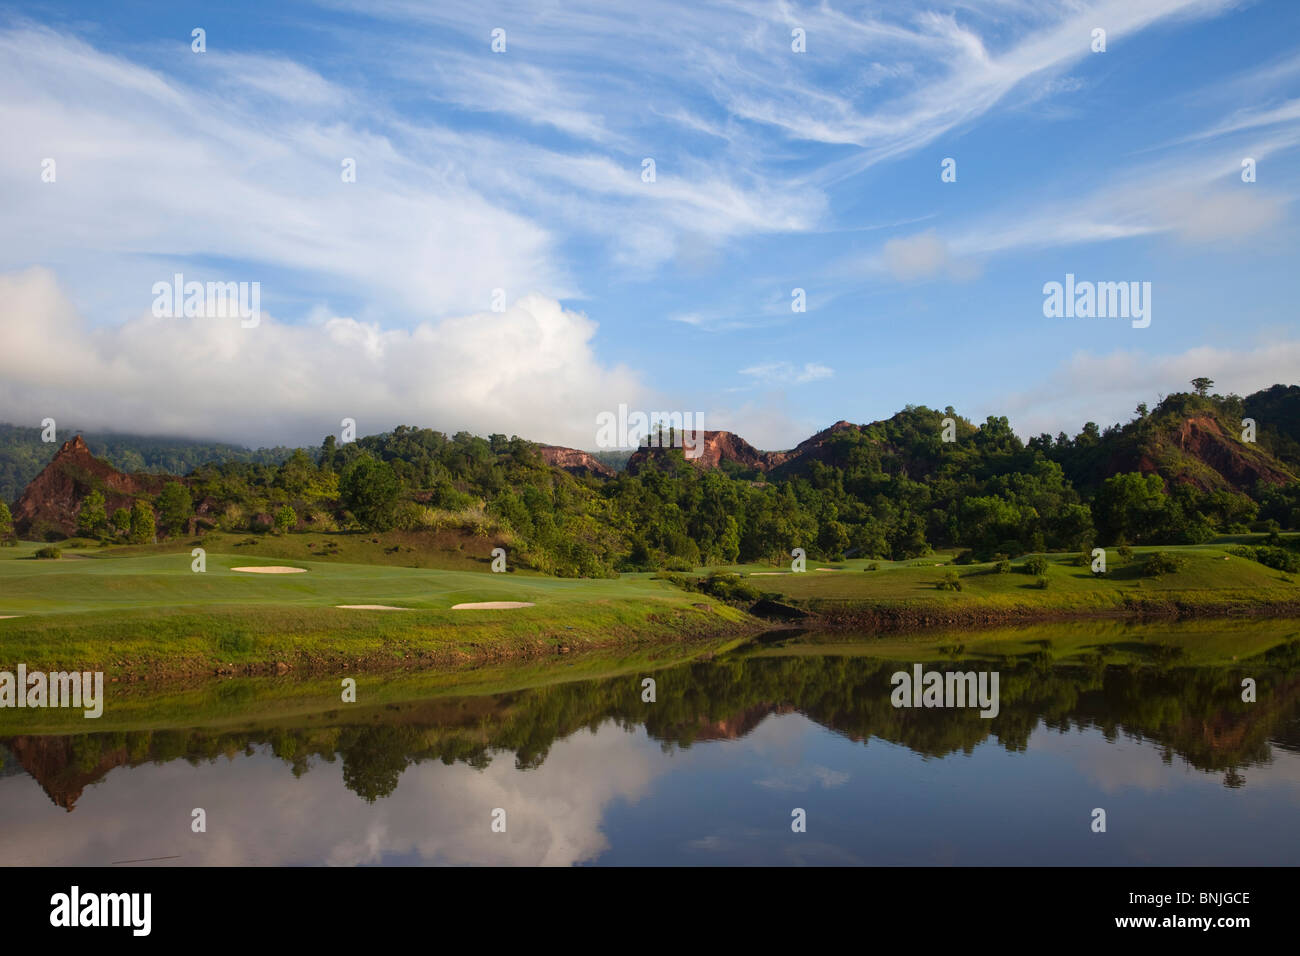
717, 447
575, 462
48, 507
1198, 451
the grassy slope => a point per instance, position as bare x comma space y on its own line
142, 611
150, 614
1208, 580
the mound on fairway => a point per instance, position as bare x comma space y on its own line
271, 569
371, 607
491, 605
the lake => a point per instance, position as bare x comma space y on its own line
565, 763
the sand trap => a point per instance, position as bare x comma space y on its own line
766, 574
828, 569
491, 606
6, 617
372, 607
271, 569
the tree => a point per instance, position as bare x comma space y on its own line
121, 521
286, 519
142, 523
369, 489
175, 508
92, 519
6, 525
1131, 506
1202, 385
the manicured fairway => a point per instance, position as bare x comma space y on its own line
151, 614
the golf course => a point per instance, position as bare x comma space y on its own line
146, 612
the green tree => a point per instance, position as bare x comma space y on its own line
1202, 385
369, 489
6, 525
286, 519
92, 519
121, 521
1131, 506
175, 508
142, 522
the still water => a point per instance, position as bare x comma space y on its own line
1144, 722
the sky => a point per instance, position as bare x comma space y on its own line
503, 261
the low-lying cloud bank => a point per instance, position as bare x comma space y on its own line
530, 370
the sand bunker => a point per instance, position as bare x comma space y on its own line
828, 569
6, 617
765, 574
491, 605
372, 607
271, 569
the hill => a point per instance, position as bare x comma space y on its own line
922, 479
23, 454
48, 507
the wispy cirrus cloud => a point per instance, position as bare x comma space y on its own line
784, 373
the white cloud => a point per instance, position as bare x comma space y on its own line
783, 373
152, 173
924, 256
530, 370
1107, 388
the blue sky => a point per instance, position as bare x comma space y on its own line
522, 171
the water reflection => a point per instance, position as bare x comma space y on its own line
588, 772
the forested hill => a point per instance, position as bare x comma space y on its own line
1180, 473
23, 454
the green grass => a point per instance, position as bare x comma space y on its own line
451, 549
1212, 576
141, 611
150, 614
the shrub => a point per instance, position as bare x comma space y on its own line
142, 522
726, 586
286, 519
1041, 583
1163, 563
949, 582
92, 519
48, 553
321, 520
1036, 565
406, 516
1011, 549
1279, 559
1002, 567
965, 557
6, 524
873, 566
1125, 552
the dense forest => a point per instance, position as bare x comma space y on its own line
23, 454
893, 489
